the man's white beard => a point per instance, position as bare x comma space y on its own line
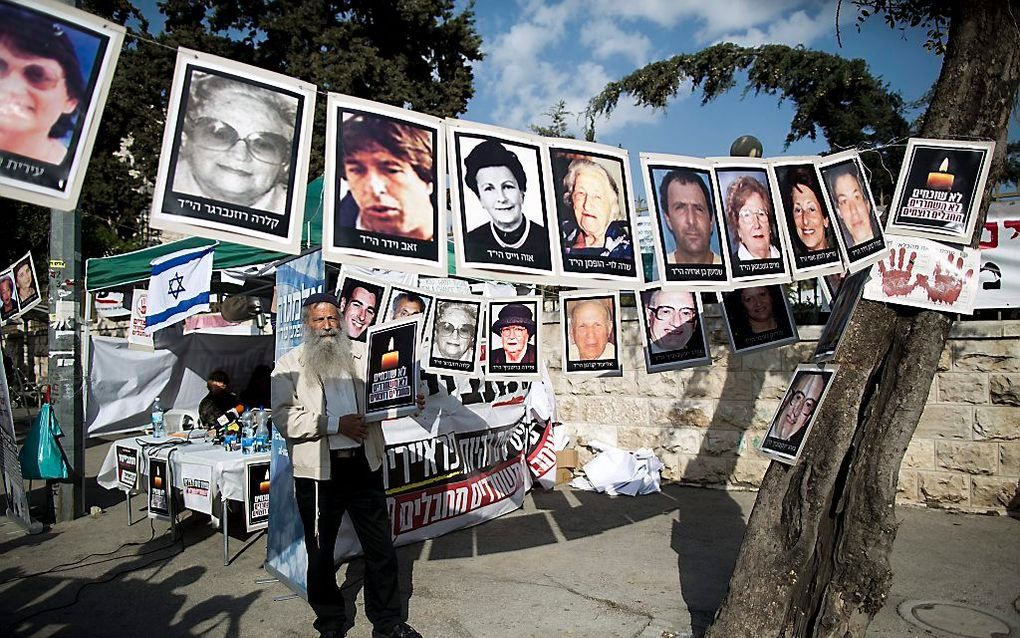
329, 354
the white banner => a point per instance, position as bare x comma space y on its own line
138, 338
197, 485
999, 280
925, 274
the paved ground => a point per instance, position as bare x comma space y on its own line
568, 564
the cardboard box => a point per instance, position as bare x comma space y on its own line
563, 475
566, 458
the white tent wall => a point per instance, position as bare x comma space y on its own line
123, 383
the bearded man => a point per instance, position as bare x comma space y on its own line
337, 460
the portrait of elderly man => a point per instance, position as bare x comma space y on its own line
515, 327
236, 143
672, 318
337, 464
388, 167
750, 217
852, 204
406, 304
591, 330
8, 300
686, 209
598, 228
359, 305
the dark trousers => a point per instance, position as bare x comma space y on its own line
357, 490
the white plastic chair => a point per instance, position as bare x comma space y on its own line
179, 420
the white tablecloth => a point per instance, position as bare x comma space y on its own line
227, 467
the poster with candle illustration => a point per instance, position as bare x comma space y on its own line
939, 190
256, 495
159, 489
391, 381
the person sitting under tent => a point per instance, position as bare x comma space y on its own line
218, 402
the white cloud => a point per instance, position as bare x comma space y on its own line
796, 28
717, 17
607, 40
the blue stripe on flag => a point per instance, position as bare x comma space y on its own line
152, 320
179, 260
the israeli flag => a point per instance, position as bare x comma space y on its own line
178, 287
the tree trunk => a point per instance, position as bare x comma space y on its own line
815, 556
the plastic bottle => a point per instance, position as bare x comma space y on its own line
261, 431
158, 424
247, 433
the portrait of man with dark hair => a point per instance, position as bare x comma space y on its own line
359, 306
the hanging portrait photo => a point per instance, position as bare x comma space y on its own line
840, 310
590, 185
758, 318
514, 346
674, 335
9, 307
383, 186
754, 236
360, 304
590, 323
391, 378
454, 330
402, 303
57, 64
792, 423
939, 189
685, 220
497, 191
814, 239
26, 283
849, 196
234, 162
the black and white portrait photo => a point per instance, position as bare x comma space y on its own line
849, 196
686, 220
384, 186
815, 239
754, 235
592, 192
26, 283
673, 332
757, 318
235, 154
406, 302
590, 324
361, 302
454, 336
56, 65
501, 221
514, 346
791, 424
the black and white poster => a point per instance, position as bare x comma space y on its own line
234, 162
196, 486
501, 221
57, 65
403, 302
815, 241
514, 347
590, 324
391, 379
755, 238
758, 318
454, 330
672, 328
127, 467
591, 190
383, 194
361, 303
256, 495
160, 490
790, 426
939, 190
685, 214
841, 310
848, 195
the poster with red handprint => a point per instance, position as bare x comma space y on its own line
925, 274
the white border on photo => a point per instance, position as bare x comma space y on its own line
334, 190
646, 336
657, 161
752, 165
8, 274
826, 267
794, 337
475, 370
917, 230
411, 323
66, 199
464, 204
189, 62
873, 249
840, 313
829, 374
341, 281
249, 499
602, 153
396, 289
594, 367
490, 316
32, 302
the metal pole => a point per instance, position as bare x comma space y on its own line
226, 536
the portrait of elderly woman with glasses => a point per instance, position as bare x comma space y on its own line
41, 86
454, 331
236, 143
750, 218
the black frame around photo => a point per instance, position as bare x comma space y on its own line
808, 218
391, 369
806, 380
662, 349
34, 299
607, 362
862, 252
528, 369
841, 310
467, 363
742, 337
345, 286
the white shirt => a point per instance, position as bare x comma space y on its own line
745, 255
340, 401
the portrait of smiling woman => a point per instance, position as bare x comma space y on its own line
750, 216
236, 143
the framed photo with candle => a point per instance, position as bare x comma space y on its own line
391, 375
939, 189
454, 339
848, 195
792, 423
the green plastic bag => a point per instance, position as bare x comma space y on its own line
41, 457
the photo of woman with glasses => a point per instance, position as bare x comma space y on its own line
454, 336
236, 143
750, 219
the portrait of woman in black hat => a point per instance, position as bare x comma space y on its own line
513, 341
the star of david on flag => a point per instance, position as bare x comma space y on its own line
179, 286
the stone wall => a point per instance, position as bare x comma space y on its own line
705, 423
